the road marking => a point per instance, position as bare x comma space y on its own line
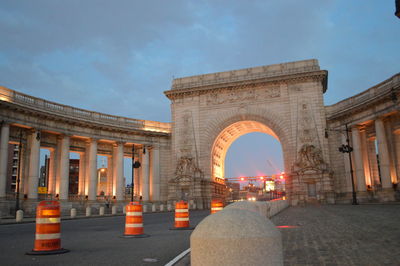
150, 260
178, 258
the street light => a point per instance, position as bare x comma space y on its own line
135, 164
347, 149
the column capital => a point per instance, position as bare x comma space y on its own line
91, 140
381, 118
116, 143
34, 131
62, 135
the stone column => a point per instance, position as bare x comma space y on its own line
51, 187
92, 170
5, 135
391, 149
364, 150
155, 174
384, 160
397, 150
358, 159
87, 171
145, 176
373, 162
82, 173
25, 162
110, 175
58, 168
64, 168
33, 179
119, 170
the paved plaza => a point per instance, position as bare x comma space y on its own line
341, 235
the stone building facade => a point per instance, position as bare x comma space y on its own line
185, 159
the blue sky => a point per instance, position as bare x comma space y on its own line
119, 56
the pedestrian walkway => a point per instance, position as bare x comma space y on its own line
340, 234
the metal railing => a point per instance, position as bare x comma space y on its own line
15, 97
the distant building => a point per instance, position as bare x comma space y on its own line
102, 181
73, 176
12, 168
233, 189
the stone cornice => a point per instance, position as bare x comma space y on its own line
382, 92
320, 75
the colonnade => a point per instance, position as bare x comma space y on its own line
375, 156
146, 181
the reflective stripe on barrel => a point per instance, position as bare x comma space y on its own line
48, 227
216, 206
181, 214
134, 219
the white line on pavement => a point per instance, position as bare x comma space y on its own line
177, 258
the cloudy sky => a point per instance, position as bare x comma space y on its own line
118, 57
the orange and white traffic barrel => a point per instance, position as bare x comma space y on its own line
216, 205
182, 216
134, 220
48, 229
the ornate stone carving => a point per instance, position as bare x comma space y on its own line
186, 134
309, 158
186, 167
274, 92
230, 96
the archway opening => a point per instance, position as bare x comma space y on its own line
254, 165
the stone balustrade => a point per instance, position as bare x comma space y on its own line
365, 98
22, 99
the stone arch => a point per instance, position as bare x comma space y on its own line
252, 120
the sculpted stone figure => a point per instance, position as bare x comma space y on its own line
310, 157
186, 167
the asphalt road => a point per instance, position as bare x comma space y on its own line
98, 241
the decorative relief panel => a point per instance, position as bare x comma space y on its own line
186, 134
309, 157
240, 95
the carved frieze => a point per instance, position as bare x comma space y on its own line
240, 95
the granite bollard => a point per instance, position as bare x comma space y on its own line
88, 211
19, 216
73, 213
224, 237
